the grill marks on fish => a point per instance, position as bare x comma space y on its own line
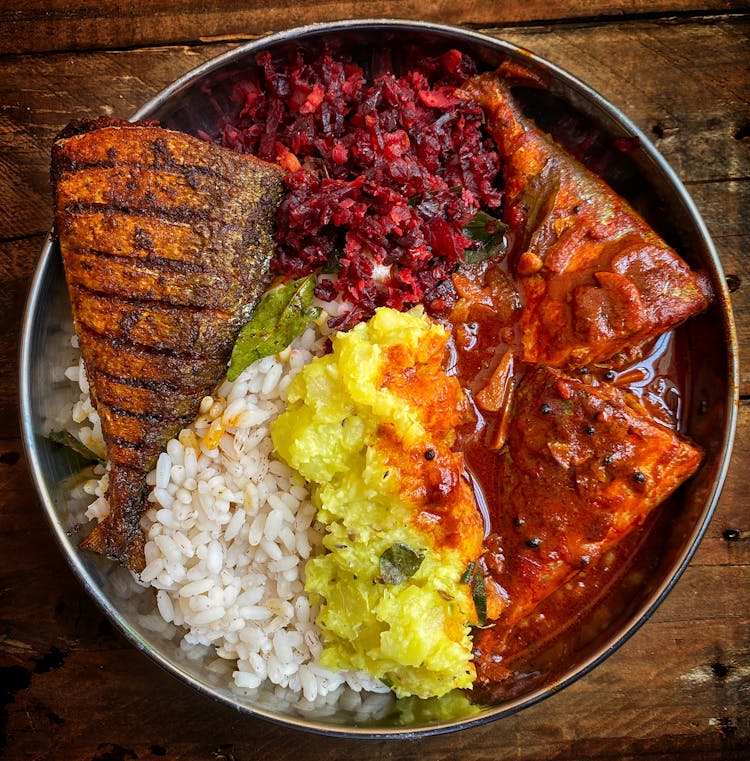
128, 362
184, 329
152, 281
182, 246
178, 195
166, 242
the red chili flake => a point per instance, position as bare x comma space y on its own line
384, 170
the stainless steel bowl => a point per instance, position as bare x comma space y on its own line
711, 399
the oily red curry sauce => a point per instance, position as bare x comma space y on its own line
484, 334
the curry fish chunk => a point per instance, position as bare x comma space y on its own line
166, 242
596, 279
584, 466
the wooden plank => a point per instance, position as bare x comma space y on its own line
733, 510
607, 714
700, 67
693, 654
671, 79
723, 206
17, 261
49, 25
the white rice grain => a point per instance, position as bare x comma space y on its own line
234, 525
273, 524
196, 588
271, 381
243, 679
152, 570
214, 557
228, 532
271, 549
163, 467
165, 605
256, 613
207, 616
163, 497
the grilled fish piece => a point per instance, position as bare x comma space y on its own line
585, 466
166, 242
597, 280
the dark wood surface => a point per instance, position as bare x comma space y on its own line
72, 688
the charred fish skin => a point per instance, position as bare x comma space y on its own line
166, 243
596, 279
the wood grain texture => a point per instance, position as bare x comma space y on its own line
17, 261
694, 655
682, 83
47, 25
72, 689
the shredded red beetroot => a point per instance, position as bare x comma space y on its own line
383, 173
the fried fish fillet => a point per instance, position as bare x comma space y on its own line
166, 242
597, 280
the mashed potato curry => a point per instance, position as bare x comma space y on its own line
371, 426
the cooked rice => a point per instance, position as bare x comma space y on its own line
228, 531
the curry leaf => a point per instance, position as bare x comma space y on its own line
67, 439
539, 198
474, 577
490, 232
399, 563
483, 227
279, 318
468, 573
497, 246
479, 595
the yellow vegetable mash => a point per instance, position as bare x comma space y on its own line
370, 427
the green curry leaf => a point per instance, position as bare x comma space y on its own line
490, 232
474, 578
483, 227
479, 595
281, 316
399, 563
539, 198
67, 439
468, 573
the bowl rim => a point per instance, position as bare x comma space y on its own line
629, 626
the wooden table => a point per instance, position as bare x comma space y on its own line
71, 688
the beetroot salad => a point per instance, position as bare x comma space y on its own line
387, 172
